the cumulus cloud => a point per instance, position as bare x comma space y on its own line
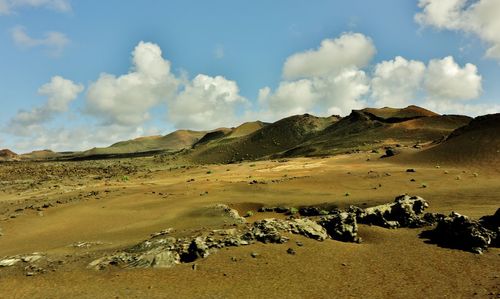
324, 81
126, 100
333, 55
396, 82
446, 80
6, 6
333, 94
60, 93
296, 97
54, 41
206, 102
481, 17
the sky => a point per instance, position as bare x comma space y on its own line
78, 74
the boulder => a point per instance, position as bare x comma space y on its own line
459, 231
166, 259
342, 226
9, 262
405, 211
310, 211
268, 231
492, 222
390, 152
308, 228
230, 213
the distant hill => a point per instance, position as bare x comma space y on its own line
476, 143
7, 155
270, 139
174, 141
395, 115
371, 128
40, 155
308, 135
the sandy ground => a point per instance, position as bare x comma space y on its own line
120, 211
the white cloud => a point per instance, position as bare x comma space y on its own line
78, 138
453, 107
324, 81
6, 6
333, 94
126, 100
296, 97
54, 41
481, 17
206, 103
446, 80
60, 93
349, 50
396, 82
341, 93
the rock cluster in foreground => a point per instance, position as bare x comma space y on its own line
338, 225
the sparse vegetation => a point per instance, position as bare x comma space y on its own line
248, 214
293, 211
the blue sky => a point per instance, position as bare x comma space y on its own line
247, 44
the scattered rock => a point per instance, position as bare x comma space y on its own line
254, 254
411, 170
291, 251
390, 152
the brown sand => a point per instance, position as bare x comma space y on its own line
388, 264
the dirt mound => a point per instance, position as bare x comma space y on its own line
477, 143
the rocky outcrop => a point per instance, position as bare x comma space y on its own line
405, 211
308, 228
167, 252
461, 232
268, 231
342, 226
228, 212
